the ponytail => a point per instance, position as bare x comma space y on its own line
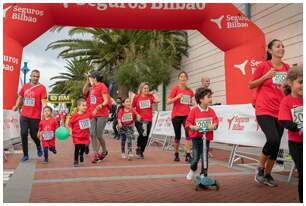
270, 45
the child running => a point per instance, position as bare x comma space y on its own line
126, 117
291, 117
79, 125
200, 119
46, 132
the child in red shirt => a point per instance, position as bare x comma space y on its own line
79, 125
126, 117
46, 132
291, 117
202, 120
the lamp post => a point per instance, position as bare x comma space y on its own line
25, 70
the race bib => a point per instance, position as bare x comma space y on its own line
185, 99
297, 115
93, 99
144, 104
203, 123
30, 102
48, 135
127, 117
279, 77
84, 123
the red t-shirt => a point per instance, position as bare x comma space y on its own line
97, 98
32, 96
58, 117
270, 93
181, 107
126, 117
80, 124
144, 106
202, 119
47, 129
291, 108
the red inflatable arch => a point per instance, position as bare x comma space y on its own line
223, 24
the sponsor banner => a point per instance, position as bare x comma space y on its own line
237, 125
58, 98
11, 125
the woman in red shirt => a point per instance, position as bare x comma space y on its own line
268, 79
143, 107
181, 98
291, 117
99, 100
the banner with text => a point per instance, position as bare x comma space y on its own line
237, 125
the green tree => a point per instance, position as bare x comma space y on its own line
128, 56
71, 81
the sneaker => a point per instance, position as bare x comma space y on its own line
188, 157
39, 152
138, 156
86, 149
96, 158
130, 156
75, 163
46, 160
176, 157
81, 159
259, 177
123, 156
270, 181
141, 155
53, 150
103, 155
190, 175
25, 158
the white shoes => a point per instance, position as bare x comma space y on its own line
130, 155
190, 175
123, 156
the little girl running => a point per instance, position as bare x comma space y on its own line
46, 132
126, 117
291, 117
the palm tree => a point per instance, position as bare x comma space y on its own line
71, 81
128, 56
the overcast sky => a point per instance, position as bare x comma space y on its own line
45, 61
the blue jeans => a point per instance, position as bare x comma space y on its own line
126, 136
199, 153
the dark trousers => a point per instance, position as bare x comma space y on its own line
273, 132
199, 151
126, 137
79, 150
27, 124
177, 123
115, 123
143, 134
296, 151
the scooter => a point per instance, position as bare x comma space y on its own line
202, 181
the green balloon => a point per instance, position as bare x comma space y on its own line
62, 133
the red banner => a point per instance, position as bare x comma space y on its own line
223, 24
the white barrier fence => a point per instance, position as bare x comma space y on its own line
11, 125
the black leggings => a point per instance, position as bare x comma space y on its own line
177, 123
143, 134
296, 151
79, 150
273, 131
